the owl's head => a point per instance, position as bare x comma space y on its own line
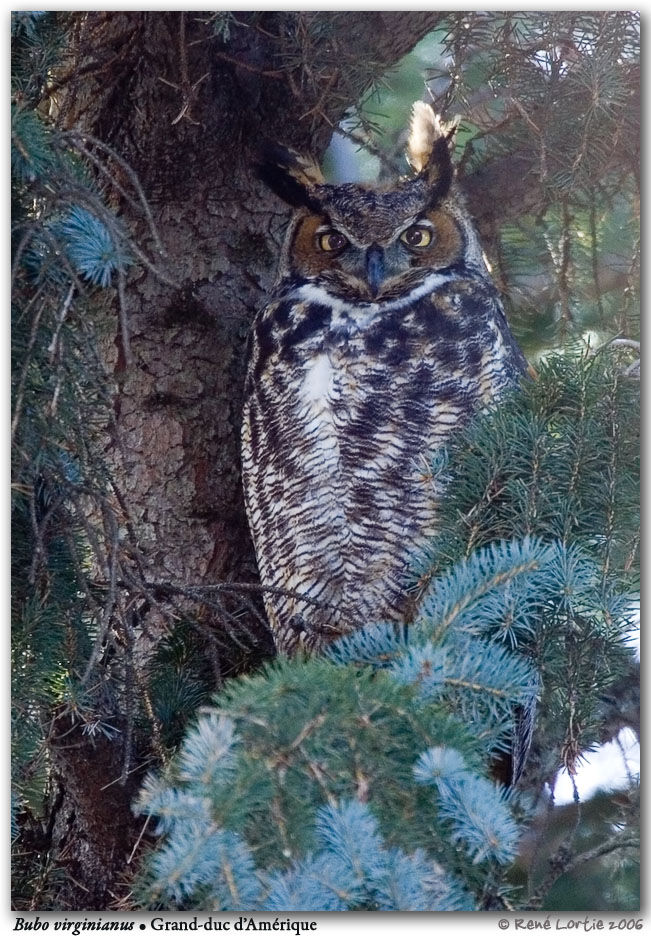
374, 244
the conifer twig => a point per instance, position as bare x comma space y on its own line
79, 138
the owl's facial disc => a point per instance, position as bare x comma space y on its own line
376, 259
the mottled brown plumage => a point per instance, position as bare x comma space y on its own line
384, 333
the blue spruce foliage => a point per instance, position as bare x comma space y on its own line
207, 755
351, 865
314, 884
477, 809
468, 653
94, 251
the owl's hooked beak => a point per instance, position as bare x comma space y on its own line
374, 268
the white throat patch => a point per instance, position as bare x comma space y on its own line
363, 312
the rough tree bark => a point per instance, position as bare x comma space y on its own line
186, 107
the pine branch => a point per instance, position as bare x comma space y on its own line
564, 861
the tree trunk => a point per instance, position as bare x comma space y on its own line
163, 92
185, 99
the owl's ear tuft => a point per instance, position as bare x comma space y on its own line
291, 176
429, 148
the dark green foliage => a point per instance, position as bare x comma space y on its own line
353, 730
279, 746
64, 521
559, 459
404, 719
37, 46
180, 679
31, 151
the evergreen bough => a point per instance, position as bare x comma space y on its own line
362, 780
67, 247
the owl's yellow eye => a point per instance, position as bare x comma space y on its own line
416, 236
332, 241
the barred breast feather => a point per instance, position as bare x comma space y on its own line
345, 404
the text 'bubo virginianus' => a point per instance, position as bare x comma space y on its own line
383, 334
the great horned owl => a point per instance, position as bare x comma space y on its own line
383, 334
